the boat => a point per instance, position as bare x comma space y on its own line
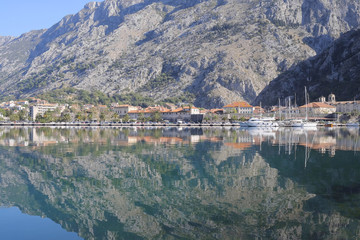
304, 123
262, 122
352, 124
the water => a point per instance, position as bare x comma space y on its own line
180, 183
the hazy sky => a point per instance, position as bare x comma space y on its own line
21, 16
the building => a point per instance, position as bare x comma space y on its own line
342, 106
317, 108
182, 114
347, 106
122, 110
40, 109
146, 113
239, 108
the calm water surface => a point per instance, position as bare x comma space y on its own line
179, 183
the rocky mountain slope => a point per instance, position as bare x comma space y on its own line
219, 50
336, 70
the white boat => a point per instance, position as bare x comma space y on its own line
262, 122
352, 124
304, 123
296, 123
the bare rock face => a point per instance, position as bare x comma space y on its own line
219, 50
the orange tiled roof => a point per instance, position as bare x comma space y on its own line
238, 104
317, 105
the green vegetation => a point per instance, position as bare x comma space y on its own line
161, 80
53, 73
76, 96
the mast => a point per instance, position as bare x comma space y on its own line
306, 105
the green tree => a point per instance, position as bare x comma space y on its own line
65, 117
14, 117
115, 117
126, 118
156, 116
80, 116
234, 118
102, 117
23, 115
141, 117
90, 116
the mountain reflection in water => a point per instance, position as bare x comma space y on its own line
189, 183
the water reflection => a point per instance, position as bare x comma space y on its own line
192, 183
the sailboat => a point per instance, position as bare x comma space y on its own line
304, 123
262, 121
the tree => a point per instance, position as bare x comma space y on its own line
90, 116
156, 116
80, 117
14, 117
65, 117
234, 118
141, 117
115, 117
23, 115
102, 116
126, 118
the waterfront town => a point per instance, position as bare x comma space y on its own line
37, 110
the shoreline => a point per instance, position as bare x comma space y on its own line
112, 124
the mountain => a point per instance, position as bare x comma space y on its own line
218, 50
336, 70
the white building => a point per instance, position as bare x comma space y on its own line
122, 110
239, 107
342, 106
41, 109
317, 108
183, 114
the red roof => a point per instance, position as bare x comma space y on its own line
317, 105
238, 104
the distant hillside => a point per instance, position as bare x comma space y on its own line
218, 50
336, 70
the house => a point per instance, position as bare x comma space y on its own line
183, 114
342, 106
122, 110
147, 112
347, 106
317, 108
239, 108
40, 109
258, 110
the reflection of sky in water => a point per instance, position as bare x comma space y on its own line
18, 226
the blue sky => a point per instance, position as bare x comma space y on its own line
21, 16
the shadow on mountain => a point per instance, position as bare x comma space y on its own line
336, 70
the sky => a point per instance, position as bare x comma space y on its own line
21, 16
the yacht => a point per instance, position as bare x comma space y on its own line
302, 124
262, 122
352, 124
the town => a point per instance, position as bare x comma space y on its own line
34, 110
